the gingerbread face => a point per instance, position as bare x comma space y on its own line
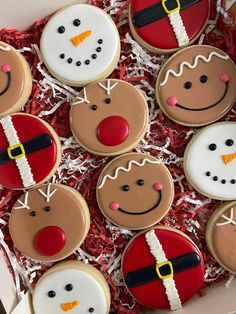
109, 117
49, 223
196, 86
135, 191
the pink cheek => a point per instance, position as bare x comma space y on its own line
225, 78
6, 68
158, 186
114, 206
172, 101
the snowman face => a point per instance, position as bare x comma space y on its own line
70, 291
210, 161
79, 43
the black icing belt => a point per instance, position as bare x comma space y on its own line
31, 146
149, 274
156, 12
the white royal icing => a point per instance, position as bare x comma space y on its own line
108, 87
93, 20
130, 163
192, 66
228, 220
179, 28
86, 290
48, 193
24, 204
199, 160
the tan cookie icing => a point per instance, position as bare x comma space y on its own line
109, 117
50, 222
135, 191
15, 79
196, 86
221, 236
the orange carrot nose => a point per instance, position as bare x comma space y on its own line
69, 306
228, 158
77, 40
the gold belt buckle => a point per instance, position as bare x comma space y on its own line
11, 148
170, 275
178, 7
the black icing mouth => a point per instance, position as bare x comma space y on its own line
8, 74
146, 211
219, 180
209, 107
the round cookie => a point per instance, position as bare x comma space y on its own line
135, 191
165, 26
15, 80
162, 268
80, 44
30, 151
220, 236
109, 117
196, 86
210, 161
50, 222
72, 287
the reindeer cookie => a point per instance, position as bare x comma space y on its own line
109, 117
15, 80
50, 222
80, 44
135, 191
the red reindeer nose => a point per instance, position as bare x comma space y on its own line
113, 131
49, 240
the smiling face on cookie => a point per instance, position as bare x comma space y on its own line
80, 43
210, 161
197, 85
135, 191
109, 117
49, 223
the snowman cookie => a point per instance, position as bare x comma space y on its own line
220, 236
197, 85
210, 161
72, 287
30, 151
109, 117
80, 44
135, 191
50, 222
164, 26
15, 80
162, 268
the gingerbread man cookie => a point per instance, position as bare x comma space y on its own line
135, 191
164, 26
30, 151
220, 236
72, 287
80, 44
50, 222
162, 268
109, 117
15, 80
197, 86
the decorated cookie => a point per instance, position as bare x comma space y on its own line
72, 287
220, 236
210, 161
80, 44
197, 86
15, 80
30, 151
109, 117
50, 222
135, 191
162, 268
164, 26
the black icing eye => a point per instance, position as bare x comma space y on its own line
69, 287
140, 182
188, 85
125, 187
94, 107
76, 22
212, 147
203, 79
33, 213
51, 294
61, 29
47, 208
107, 100
91, 310
229, 142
